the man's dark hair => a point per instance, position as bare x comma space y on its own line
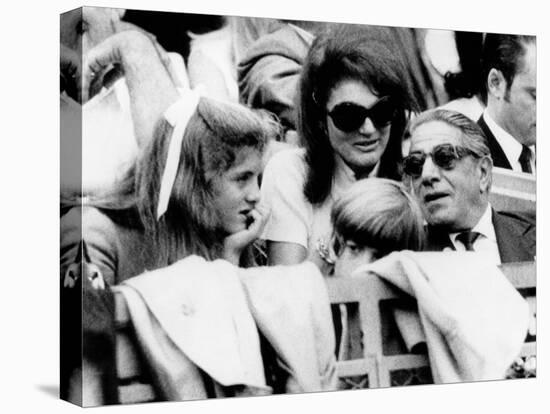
503, 52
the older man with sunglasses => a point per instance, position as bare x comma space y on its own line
450, 170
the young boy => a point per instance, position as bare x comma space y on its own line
375, 217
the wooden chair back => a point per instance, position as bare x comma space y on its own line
370, 366
373, 366
134, 381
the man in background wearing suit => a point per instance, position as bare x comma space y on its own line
450, 171
509, 90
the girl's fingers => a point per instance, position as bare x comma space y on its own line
257, 222
264, 211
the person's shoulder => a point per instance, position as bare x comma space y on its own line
288, 156
86, 216
528, 218
287, 162
85, 224
86, 221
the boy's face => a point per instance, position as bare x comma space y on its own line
350, 257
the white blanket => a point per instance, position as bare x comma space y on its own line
204, 314
474, 320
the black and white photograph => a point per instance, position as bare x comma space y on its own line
276, 207
256, 206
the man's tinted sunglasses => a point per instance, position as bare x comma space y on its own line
444, 156
349, 116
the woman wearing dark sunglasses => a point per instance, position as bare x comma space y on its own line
354, 98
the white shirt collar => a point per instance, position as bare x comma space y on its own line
511, 147
484, 226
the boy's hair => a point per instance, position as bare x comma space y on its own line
378, 213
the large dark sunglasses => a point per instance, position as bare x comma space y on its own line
349, 117
444, 156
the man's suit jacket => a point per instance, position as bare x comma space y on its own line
497, 153
515, 233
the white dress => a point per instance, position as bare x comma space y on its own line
293, 218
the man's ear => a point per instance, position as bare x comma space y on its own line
485, 174
496, 84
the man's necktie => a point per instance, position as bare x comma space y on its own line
467, 238
525, 160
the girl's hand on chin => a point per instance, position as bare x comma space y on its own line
235, 243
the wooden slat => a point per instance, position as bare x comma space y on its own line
521, 274
346, 290
512, 180
529, 349
127, 358
354, 367
130, 371
513, 191
135, 393
122, 317
405, 361
532, 302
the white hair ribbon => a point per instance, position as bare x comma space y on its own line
178, 116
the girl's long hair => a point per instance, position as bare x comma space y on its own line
215, 134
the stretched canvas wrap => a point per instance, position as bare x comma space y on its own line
168, 288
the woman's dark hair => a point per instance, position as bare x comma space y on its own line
356, 53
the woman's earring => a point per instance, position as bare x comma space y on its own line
314, 98
325, 129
